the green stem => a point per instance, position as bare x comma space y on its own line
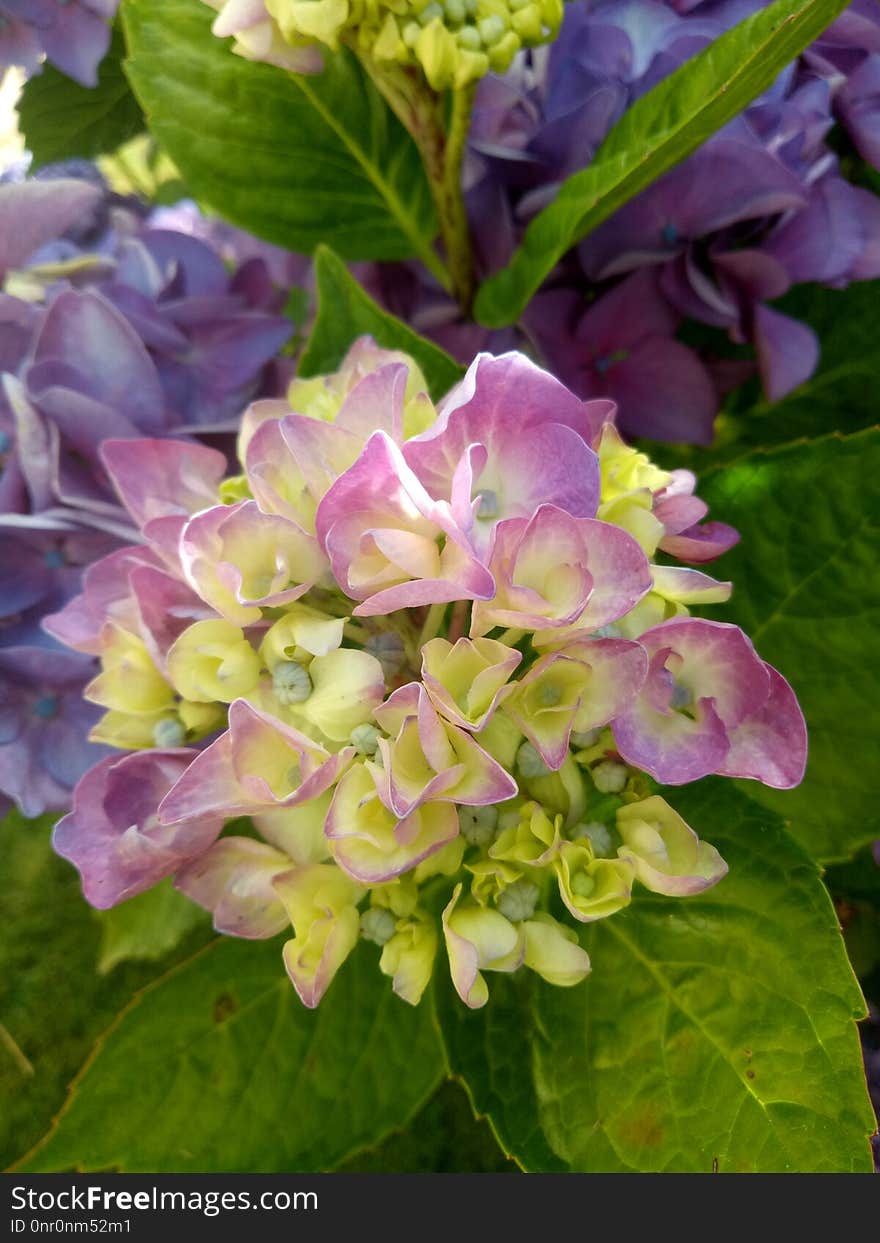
452, 212
433, 622
421, 111
356, 633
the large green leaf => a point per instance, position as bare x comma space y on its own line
715, 1032
443, 1138
61, 120
146, 927
856, 880
221, 1069
841, 396
346, 311
807, 591
53, 1003
656, 133
295, 159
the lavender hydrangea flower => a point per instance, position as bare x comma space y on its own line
110, 327
44, 726
73, 34
40, 571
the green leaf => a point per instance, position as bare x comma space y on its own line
346, 311
656, 133
295, 159
839, 397
856, 880
61, 120
146, 927
221, 1069
807, 592
53, 1003
443, 1138
715, 1032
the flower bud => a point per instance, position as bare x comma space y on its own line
552, 951
408, 957
518, 902
291, 683
378, 925
609, 777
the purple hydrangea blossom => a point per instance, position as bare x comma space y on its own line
73, 35
114, 323
44, 726
40, 571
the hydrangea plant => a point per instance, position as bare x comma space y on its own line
425, 690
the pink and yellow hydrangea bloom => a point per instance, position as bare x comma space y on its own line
428, 653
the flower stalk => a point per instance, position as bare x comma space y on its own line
423, 113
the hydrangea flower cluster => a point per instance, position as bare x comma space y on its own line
761, 207
455, 42
113, 323
73, 34
429, 653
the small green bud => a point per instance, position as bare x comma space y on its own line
609, 777
599, 837
478, 824
580, 740
291, 682
502, 52
469, 38
430, 12
455, 11
582, 884
366, 738
492, 29
169, 732
527, 23
518, 901
378, 925
529, 763
549, 694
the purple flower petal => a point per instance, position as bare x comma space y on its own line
113, 835
771, 744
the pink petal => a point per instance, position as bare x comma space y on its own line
233, 880
106, 596
157, 478
770, 745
